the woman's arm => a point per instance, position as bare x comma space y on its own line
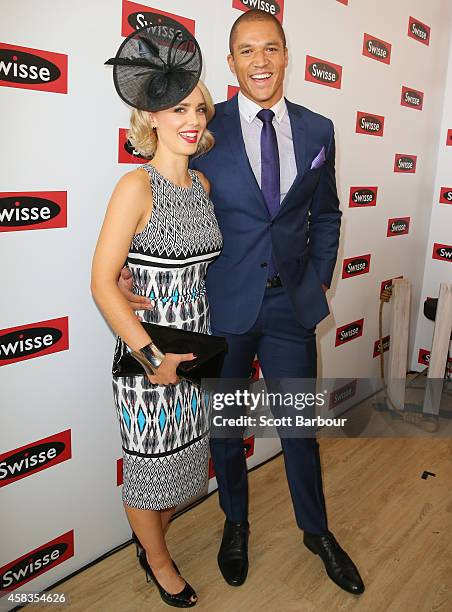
128, 205
128, 211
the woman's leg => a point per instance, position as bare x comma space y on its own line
147, 524
166, 517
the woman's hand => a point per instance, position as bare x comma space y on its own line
125, 284
166, 372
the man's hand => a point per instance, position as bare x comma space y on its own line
325, 288
166, 372
136, 302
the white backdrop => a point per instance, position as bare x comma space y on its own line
69, 142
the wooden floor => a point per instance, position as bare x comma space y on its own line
395, 526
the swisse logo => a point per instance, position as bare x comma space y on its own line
405, 163
369, 124
355, 266
163, 25
442, 252
119, 472
32, 210
33, 340
344, 393
387, 284
424, 357
377, 346
126, 152
419, 31
323, 72
363, 196
445, 196
377, 49
36, 562
449, 138
232, 91
412, 98
398, 226
34, 457
28, 68
349, 332
273, 7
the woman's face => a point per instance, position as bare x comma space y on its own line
180, 128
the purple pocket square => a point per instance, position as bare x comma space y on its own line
319, 160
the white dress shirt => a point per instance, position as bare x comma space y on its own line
251, 130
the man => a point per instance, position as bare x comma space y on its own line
274, 189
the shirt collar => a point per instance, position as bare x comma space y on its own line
249, 109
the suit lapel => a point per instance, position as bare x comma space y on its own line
235, 137
299, 144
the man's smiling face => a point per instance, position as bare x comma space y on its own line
259, 60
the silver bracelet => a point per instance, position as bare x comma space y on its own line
150, 357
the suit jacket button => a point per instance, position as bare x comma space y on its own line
264, 264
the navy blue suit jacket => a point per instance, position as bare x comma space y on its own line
304, 234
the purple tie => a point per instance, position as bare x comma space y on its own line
270, 185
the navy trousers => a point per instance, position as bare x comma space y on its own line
285, 349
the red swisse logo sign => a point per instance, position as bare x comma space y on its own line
255, 370
412, 98
341, 395
33, 340
360, 197
164, 25
405, 163
29, 210
449, 138
126, 152
248, 449
274, 7
28, 68
377, 346
349, 332
232, 90
377, 49
387, 284
424, 358
354, 266
34, 457
445, 196
442, 252
369, 124
343, 2
119, 473
398, 226
419, 31
323, 72
36, 562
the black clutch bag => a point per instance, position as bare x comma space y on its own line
210, 350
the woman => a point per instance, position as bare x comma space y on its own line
161, 221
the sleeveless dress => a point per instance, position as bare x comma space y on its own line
164, 429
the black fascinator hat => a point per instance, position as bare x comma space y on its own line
151, 73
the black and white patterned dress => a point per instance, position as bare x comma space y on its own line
164, 429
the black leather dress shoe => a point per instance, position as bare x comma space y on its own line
233, 553
339, 567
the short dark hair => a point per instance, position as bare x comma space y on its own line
255, 15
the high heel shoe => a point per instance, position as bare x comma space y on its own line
139, 547
178, 600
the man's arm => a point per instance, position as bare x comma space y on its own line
325, 220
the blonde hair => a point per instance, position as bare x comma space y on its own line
144, 139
